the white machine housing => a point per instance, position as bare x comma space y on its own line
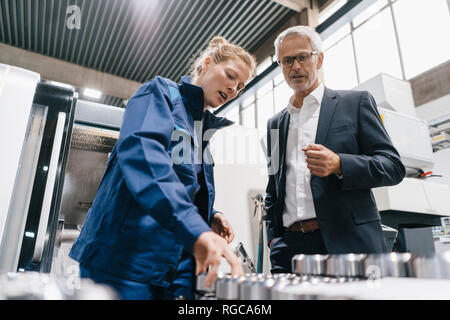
411, 137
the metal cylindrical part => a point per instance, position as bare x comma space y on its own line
436, 266
388, 265
227, 288
346, 265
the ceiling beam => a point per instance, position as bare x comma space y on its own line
297, 5
58, 70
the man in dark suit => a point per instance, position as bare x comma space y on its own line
326, 151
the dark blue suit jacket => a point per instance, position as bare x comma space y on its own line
350, 125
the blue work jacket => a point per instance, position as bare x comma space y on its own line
143, 214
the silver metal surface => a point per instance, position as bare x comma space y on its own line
256, 287
346, 265
99, 114
200, 286
85, 166
93, 139
299, 264
228, 287
42, 286
436, 266
388, 265
316, 264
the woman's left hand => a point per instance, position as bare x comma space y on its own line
221, 226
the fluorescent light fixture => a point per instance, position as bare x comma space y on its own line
92, 93
29, 234
60, 84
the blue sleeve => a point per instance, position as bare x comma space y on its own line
142, 152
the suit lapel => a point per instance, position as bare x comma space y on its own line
284, 127
327, 109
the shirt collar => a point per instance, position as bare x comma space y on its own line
315, 96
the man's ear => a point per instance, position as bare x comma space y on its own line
319, 60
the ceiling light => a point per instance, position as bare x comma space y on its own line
60, 84
92, 93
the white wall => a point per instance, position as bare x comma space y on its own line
240, 173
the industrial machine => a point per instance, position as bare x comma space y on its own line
36, 127
417, 204
57, 147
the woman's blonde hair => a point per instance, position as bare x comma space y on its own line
220, 50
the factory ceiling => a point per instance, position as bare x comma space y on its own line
135, 39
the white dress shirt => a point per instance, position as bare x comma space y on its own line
303, 122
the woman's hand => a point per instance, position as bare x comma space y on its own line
209, 248
221, 226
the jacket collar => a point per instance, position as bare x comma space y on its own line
193, 97
327, 109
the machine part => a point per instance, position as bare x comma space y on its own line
40, 233
346, 265
99, 115
256, 287
388, 265
227, 288
48, 194
17, 88
200, 287
418, 241
436, 266
15, 224
246, 260
84, 172
42, 286
390, 235
316, 264
93, 139
259, 208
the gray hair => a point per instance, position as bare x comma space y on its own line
305, 31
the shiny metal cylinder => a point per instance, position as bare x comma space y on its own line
436, 266
315, 265
299, 264
256, 288
392, 264
278, 290
200, 286
346, 265
228, 287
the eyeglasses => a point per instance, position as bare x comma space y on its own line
304, 57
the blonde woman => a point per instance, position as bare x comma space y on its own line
152, 225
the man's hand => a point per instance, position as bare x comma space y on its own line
221, 226
321, 161
208, 250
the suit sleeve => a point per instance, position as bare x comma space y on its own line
142, 153
378, 163
271, 196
